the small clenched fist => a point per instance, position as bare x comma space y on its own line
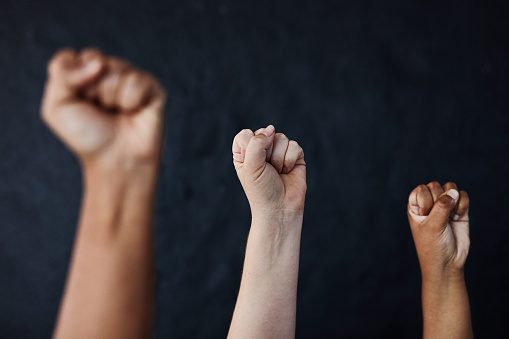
103, 108
271, 169
439, 222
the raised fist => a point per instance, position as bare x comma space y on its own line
438, 218
271, 169
103, 109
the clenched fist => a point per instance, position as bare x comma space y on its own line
439, 221
104, 109
271, 169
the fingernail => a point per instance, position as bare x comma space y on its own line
453, 194
456, 217
269, 130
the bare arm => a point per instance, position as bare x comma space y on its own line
266, 304
445, 308
440, 227
109, 115
267, 300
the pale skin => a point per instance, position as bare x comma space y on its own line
272, 171
438, 217
109, 114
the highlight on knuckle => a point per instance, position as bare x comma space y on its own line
434, 184
245, 131
58, 59
421, 189
136, 81
281, 136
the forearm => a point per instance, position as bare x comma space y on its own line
267, 300
110, 286
446, 310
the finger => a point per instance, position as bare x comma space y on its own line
240, 143
152, 106
69, 72
269, 151
436, 189
420, 200
89, 90
135, 89
256, 150
108, 86
451, 186
462, 207
279, 149
156, 98
442, 208
294, 156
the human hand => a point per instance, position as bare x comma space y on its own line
103, 109
271, 169
439, 222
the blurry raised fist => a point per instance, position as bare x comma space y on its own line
271, 169
103, 109
438, 218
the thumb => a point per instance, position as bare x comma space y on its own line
256, 151
69, 72
443, 207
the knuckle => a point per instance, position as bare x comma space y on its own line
90, 52
245, 134
118, 62
58, 59
281, 136
241, 137
434, 184
421, 188
464, 197
135, 80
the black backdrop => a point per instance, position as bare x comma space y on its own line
382, 95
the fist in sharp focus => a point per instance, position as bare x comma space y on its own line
438, 217
271, 169
103, 108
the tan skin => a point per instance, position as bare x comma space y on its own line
438, 217
110, 115
272, 171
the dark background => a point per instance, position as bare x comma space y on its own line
382, 95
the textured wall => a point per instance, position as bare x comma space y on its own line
382, 95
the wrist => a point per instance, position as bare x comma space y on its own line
121, 173
279, 223
274, 241
444, 277
278, 216
115, 197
